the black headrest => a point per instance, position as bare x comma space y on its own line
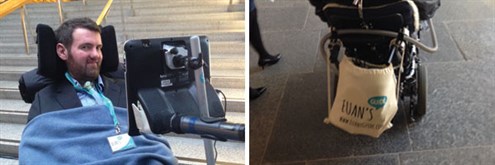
51, 66
109, 50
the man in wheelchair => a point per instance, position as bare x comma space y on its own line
79, 114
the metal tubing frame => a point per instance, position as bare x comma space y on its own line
420, 45
202, 98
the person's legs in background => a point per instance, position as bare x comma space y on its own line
264, 57
255, 39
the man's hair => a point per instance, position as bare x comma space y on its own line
64, 31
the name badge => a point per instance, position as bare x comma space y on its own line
121, 142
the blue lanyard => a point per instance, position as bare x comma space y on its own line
90, 92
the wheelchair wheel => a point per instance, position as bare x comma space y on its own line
422, 91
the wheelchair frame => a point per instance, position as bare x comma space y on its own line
412, 85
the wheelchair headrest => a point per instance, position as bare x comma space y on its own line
51, 66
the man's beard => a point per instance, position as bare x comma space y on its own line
83, 72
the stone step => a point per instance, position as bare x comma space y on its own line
187, 10
13, 73
163, 4
50, 19
9, 161
220, 22
233, 93
195, 18
18, 60
13, 111
15, 35
14, 105
10, 94
228, 82
115, 16
115, 10
186, 26
227, 73
12, 48
31, 14
213, 35
8, 85
10, 76
226, 48
99, 2
10, 138
227, 63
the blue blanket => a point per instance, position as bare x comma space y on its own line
79, 136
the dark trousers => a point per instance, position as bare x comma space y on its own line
255, 35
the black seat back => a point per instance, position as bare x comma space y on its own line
393, 16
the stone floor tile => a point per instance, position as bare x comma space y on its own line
299, 133
263, 112
297, 48
389, 159
476, 38
283, 19
460, 107
459, 156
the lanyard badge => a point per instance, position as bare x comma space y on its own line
121, 142
118, 142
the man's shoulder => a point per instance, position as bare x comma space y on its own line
53, 88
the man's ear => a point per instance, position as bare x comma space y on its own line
62, 52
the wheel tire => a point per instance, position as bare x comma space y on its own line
422, 91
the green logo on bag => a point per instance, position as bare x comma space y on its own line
378, 101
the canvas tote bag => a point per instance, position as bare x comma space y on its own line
366, 99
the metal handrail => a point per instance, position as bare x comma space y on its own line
104, 12
24, 29
59, 4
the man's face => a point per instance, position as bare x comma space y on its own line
84, 58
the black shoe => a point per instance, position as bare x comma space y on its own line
268, 60
255, 93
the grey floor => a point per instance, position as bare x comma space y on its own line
286, 123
